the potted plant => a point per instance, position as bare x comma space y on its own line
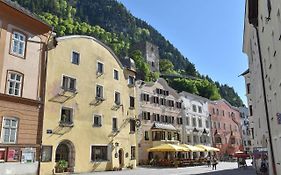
61, 166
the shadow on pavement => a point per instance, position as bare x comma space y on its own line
237, 171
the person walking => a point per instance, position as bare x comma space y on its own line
214, 163
264, 167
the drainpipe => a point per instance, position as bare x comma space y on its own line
265, 100
43, 88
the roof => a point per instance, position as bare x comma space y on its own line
245, 72
19, 8
163, 126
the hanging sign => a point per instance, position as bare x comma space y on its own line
278, 118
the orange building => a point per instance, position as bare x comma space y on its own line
23, 41
225, 128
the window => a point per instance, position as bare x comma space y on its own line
219, 125
248, 88
100, 68
47, 153
224, 126
169, 136
200, 122
18, 44
218, 112
131, 80
187, 120
145, 115
194, 108
117, 99
162, 101
68, 84
194, 122
115, 74
199, 109
132, 102
207, 123
133, 152
179, 120
145, 97
214, 111
146, 136
99, 91
132, 126
158, 135
178, 104
9, 130
97, 121
114, 124
66, 116
171, 103
251, 110
232, 140
218, 140
156, 100
14, 82
222, 112
75, 58
99, 153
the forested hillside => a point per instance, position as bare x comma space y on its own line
110, 21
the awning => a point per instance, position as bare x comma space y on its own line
208, 148
163, 126
168, 148
193, 148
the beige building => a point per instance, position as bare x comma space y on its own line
89, 119
160, 115
23, 40
263, 48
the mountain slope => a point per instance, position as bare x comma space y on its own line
110, 21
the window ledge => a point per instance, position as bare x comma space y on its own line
63, 124
132, 132
131, 108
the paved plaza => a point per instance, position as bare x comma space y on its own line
223, 168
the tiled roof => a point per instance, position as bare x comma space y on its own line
16, 6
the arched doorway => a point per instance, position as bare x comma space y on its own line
65, 151
121, 158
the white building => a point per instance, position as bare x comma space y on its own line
196, 120
245, 129
262, 35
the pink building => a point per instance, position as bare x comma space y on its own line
225, 128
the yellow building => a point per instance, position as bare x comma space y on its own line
89, 118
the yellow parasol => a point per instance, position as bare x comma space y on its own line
208, 148
168, 148
193, 148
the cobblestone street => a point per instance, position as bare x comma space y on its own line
223, 168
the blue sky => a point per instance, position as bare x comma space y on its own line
208, 32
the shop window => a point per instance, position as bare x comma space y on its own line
47, 153
99, 153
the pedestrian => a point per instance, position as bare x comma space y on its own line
264, 166
214, 163
209, 161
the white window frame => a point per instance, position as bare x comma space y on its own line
13, 39
114, 74
97, 67
102, 90
67, 107
64, 75
101, 120
14, 81
71, 57
119, 97
3, 133
129, 80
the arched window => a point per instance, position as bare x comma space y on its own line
218, 139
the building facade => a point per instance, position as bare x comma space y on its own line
226, 127
89, 117
246, 131
159, 111
262, 45
196, 120
23, 40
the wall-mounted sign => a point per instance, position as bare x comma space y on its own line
278, 118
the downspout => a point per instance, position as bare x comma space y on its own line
43, 81
265, 101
